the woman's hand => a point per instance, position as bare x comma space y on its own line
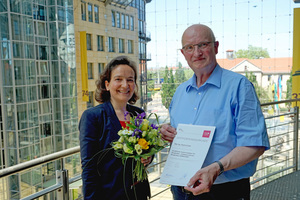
146, 161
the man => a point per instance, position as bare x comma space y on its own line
224, 99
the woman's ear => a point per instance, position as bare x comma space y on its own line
107, 85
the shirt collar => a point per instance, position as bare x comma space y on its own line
214, 79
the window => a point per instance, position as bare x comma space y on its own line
118, 20
111, 46
90, 70
113, 21
127, 21
83, 10
130, 46
100, 45
100, 68
90, 103
131, 23
123, 21
90, 12
121, 46
96, 11
88, 41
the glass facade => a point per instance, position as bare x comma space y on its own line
38, 89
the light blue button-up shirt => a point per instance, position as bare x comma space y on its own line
228, 101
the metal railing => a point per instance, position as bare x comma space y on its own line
281, 159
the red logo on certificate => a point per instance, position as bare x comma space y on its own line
206, 134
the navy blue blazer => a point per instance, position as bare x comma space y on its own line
103, 175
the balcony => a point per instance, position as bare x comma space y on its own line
277, 175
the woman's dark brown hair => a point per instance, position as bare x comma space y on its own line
101, 94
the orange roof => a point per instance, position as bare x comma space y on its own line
267, 65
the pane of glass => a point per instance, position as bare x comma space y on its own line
28, 28
4, 33
64, 72
90, 70
17, 50
96, 10
31, 73
3, 6
43, 52
31, 93
33, 114
90, 11
16, 27
20, 94
12, 141
55, 72
44, 68
41, 28
83, 11
27, 8
5, 49
53, 38
22, 116
88, 41
7, 73
19, 73
56, 109
29, 49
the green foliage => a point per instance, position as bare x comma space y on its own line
168, 88
252, 53
262, 94
179, 75
289, 88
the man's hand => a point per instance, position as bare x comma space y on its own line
203, 180
168, 132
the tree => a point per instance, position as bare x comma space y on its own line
252, 53
262, 94
179, 74
289, 88
168, 88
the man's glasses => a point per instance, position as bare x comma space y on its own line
191, 47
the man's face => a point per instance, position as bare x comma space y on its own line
202, 57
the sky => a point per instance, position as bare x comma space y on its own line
235, 23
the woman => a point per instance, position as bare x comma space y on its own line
103, 174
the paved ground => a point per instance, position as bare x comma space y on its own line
284, 188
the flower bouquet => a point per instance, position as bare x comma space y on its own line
139, 139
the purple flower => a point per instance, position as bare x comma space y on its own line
139, 119
125, 114
154, 126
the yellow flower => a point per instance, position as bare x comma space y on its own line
145, 125
144, 144
118, 146
138, 149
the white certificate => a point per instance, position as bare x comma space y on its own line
188, 151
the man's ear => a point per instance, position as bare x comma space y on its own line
216, 46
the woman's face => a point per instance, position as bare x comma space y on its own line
122, 84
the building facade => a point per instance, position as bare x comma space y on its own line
41, 81
111, 28
38, 93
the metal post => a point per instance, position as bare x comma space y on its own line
296, 138
62, 177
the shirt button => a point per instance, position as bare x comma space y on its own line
195, 108
199, 93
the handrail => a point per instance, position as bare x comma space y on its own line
38, 161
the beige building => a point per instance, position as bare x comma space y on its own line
268, 71
112, 29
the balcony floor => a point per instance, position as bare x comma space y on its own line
284, 188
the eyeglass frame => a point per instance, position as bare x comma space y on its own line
200, 46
